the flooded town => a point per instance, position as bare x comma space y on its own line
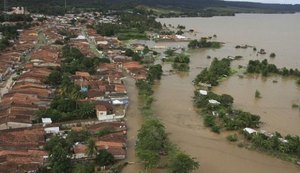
148, 90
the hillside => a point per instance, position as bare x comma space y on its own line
57, 6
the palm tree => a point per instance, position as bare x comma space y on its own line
91, 148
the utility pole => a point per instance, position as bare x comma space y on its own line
65, 4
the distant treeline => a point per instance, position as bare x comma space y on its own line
187, 6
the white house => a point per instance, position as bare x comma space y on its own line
101, 111
203, 92
46, 121
214, 102
249, 130
54, 130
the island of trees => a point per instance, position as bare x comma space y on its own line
217, 70
204, 43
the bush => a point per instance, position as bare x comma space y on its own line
232, 138
216, 129
257, 94
272, 55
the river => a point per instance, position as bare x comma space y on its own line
277, 33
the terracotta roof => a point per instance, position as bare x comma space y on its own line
107, 144
21, 161
95, 93
132, 64
101, 108
120, 88
80, 148
82, 74
114, 126
24, 138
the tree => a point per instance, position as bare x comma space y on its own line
91, 148
105, 158
83, 168
226, 99
152, 140
183, 163
257, 94
59, 160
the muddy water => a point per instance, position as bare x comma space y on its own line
262, 31
174, 93
134, 121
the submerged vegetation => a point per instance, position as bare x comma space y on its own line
264, 68
153, 142
203, 43
181, 62
218, 114
217, 70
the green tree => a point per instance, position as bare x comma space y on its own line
91, 148
83, 168
152, 140
183, 163
104, 158
59, 159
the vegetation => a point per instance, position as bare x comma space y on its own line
83, 168
9, 32
166, 8
129, 26
59, 154
217, 70
152, 140
203, 43
74, 61
223, 116
66, 105
287, 148
232, 138
272, 55
257, 94
298, 81
104, 158
15, 18
104, 132
183, 163
181, 62
263, 67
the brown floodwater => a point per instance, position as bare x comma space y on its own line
274, 33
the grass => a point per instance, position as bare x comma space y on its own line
132, 35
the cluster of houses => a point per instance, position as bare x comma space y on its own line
25, 66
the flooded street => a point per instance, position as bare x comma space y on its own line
134, 122
174, 92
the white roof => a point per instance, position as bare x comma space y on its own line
80, 37
203, 92
102, 42
215, 102
180, 37
46, 120
52, 130
249, 130
116, 102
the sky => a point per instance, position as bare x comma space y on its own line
272, 1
